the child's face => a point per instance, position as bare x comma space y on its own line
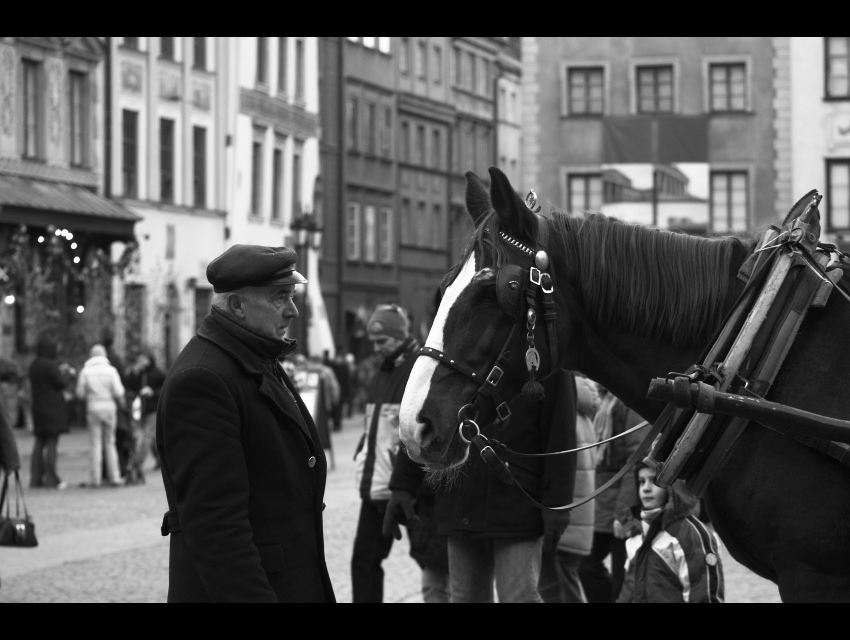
651, 496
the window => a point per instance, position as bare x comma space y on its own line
728, 87
585, 91
406, 222
199, 165
369, 43
437, 65
404, 55
297, 154
421, 59
131, 42
262, 60
457, 66
386, 129
370, 128
384, 45
436, 239
404, 141
281, 65
385, 236
729, 200
421, 226
166, 160
352, 229
584, 192
78, 120
369, 234
838, 195
299, 69
484, 77
166, 48
130, 152
437, 149
485, 147
277, 184
838, 67
419, 149
32, 109
470, 80
655, 89
257, 175
352, 123
170, 241
199, 46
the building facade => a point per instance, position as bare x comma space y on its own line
403, 119
685, 125
275, 163
812, 107
167, 133
57, 228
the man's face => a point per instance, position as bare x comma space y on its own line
384, 345
269, 310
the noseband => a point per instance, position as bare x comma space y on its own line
517, 290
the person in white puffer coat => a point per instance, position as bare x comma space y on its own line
99, 384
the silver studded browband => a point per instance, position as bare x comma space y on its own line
519, 245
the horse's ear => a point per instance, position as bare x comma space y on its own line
514, 217
477, 197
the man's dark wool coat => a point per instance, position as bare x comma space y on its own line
244, 474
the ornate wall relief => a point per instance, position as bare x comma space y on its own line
169, 86
7, 81
53, 69
201, 95
131, 76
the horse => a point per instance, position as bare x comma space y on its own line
633, 303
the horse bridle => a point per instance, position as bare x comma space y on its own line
517, 290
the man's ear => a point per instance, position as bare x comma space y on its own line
235, 305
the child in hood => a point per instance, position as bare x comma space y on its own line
675, 557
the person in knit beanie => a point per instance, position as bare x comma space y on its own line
377, 454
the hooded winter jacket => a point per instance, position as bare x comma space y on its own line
675, 558
99, 384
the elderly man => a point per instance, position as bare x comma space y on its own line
242, 463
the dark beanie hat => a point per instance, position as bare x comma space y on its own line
388, 320
251, 265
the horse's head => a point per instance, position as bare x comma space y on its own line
475, 358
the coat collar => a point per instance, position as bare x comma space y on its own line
251, 349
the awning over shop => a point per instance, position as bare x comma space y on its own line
40, 203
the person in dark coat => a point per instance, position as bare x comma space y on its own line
144, 382
495, 535
48, 379
243, 467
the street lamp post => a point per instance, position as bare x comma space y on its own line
308, 237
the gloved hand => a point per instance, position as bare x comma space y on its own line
554, 524
399, 509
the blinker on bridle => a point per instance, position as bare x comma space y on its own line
537, 282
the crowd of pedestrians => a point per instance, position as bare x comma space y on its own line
239, 427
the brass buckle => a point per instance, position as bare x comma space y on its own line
531, 275
495, 375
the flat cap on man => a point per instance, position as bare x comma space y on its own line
251, 265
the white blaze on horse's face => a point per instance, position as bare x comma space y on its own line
419, 384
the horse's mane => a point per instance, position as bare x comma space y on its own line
650, 281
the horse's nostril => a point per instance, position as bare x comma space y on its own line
426, 431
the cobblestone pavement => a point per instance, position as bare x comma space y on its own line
104, 545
